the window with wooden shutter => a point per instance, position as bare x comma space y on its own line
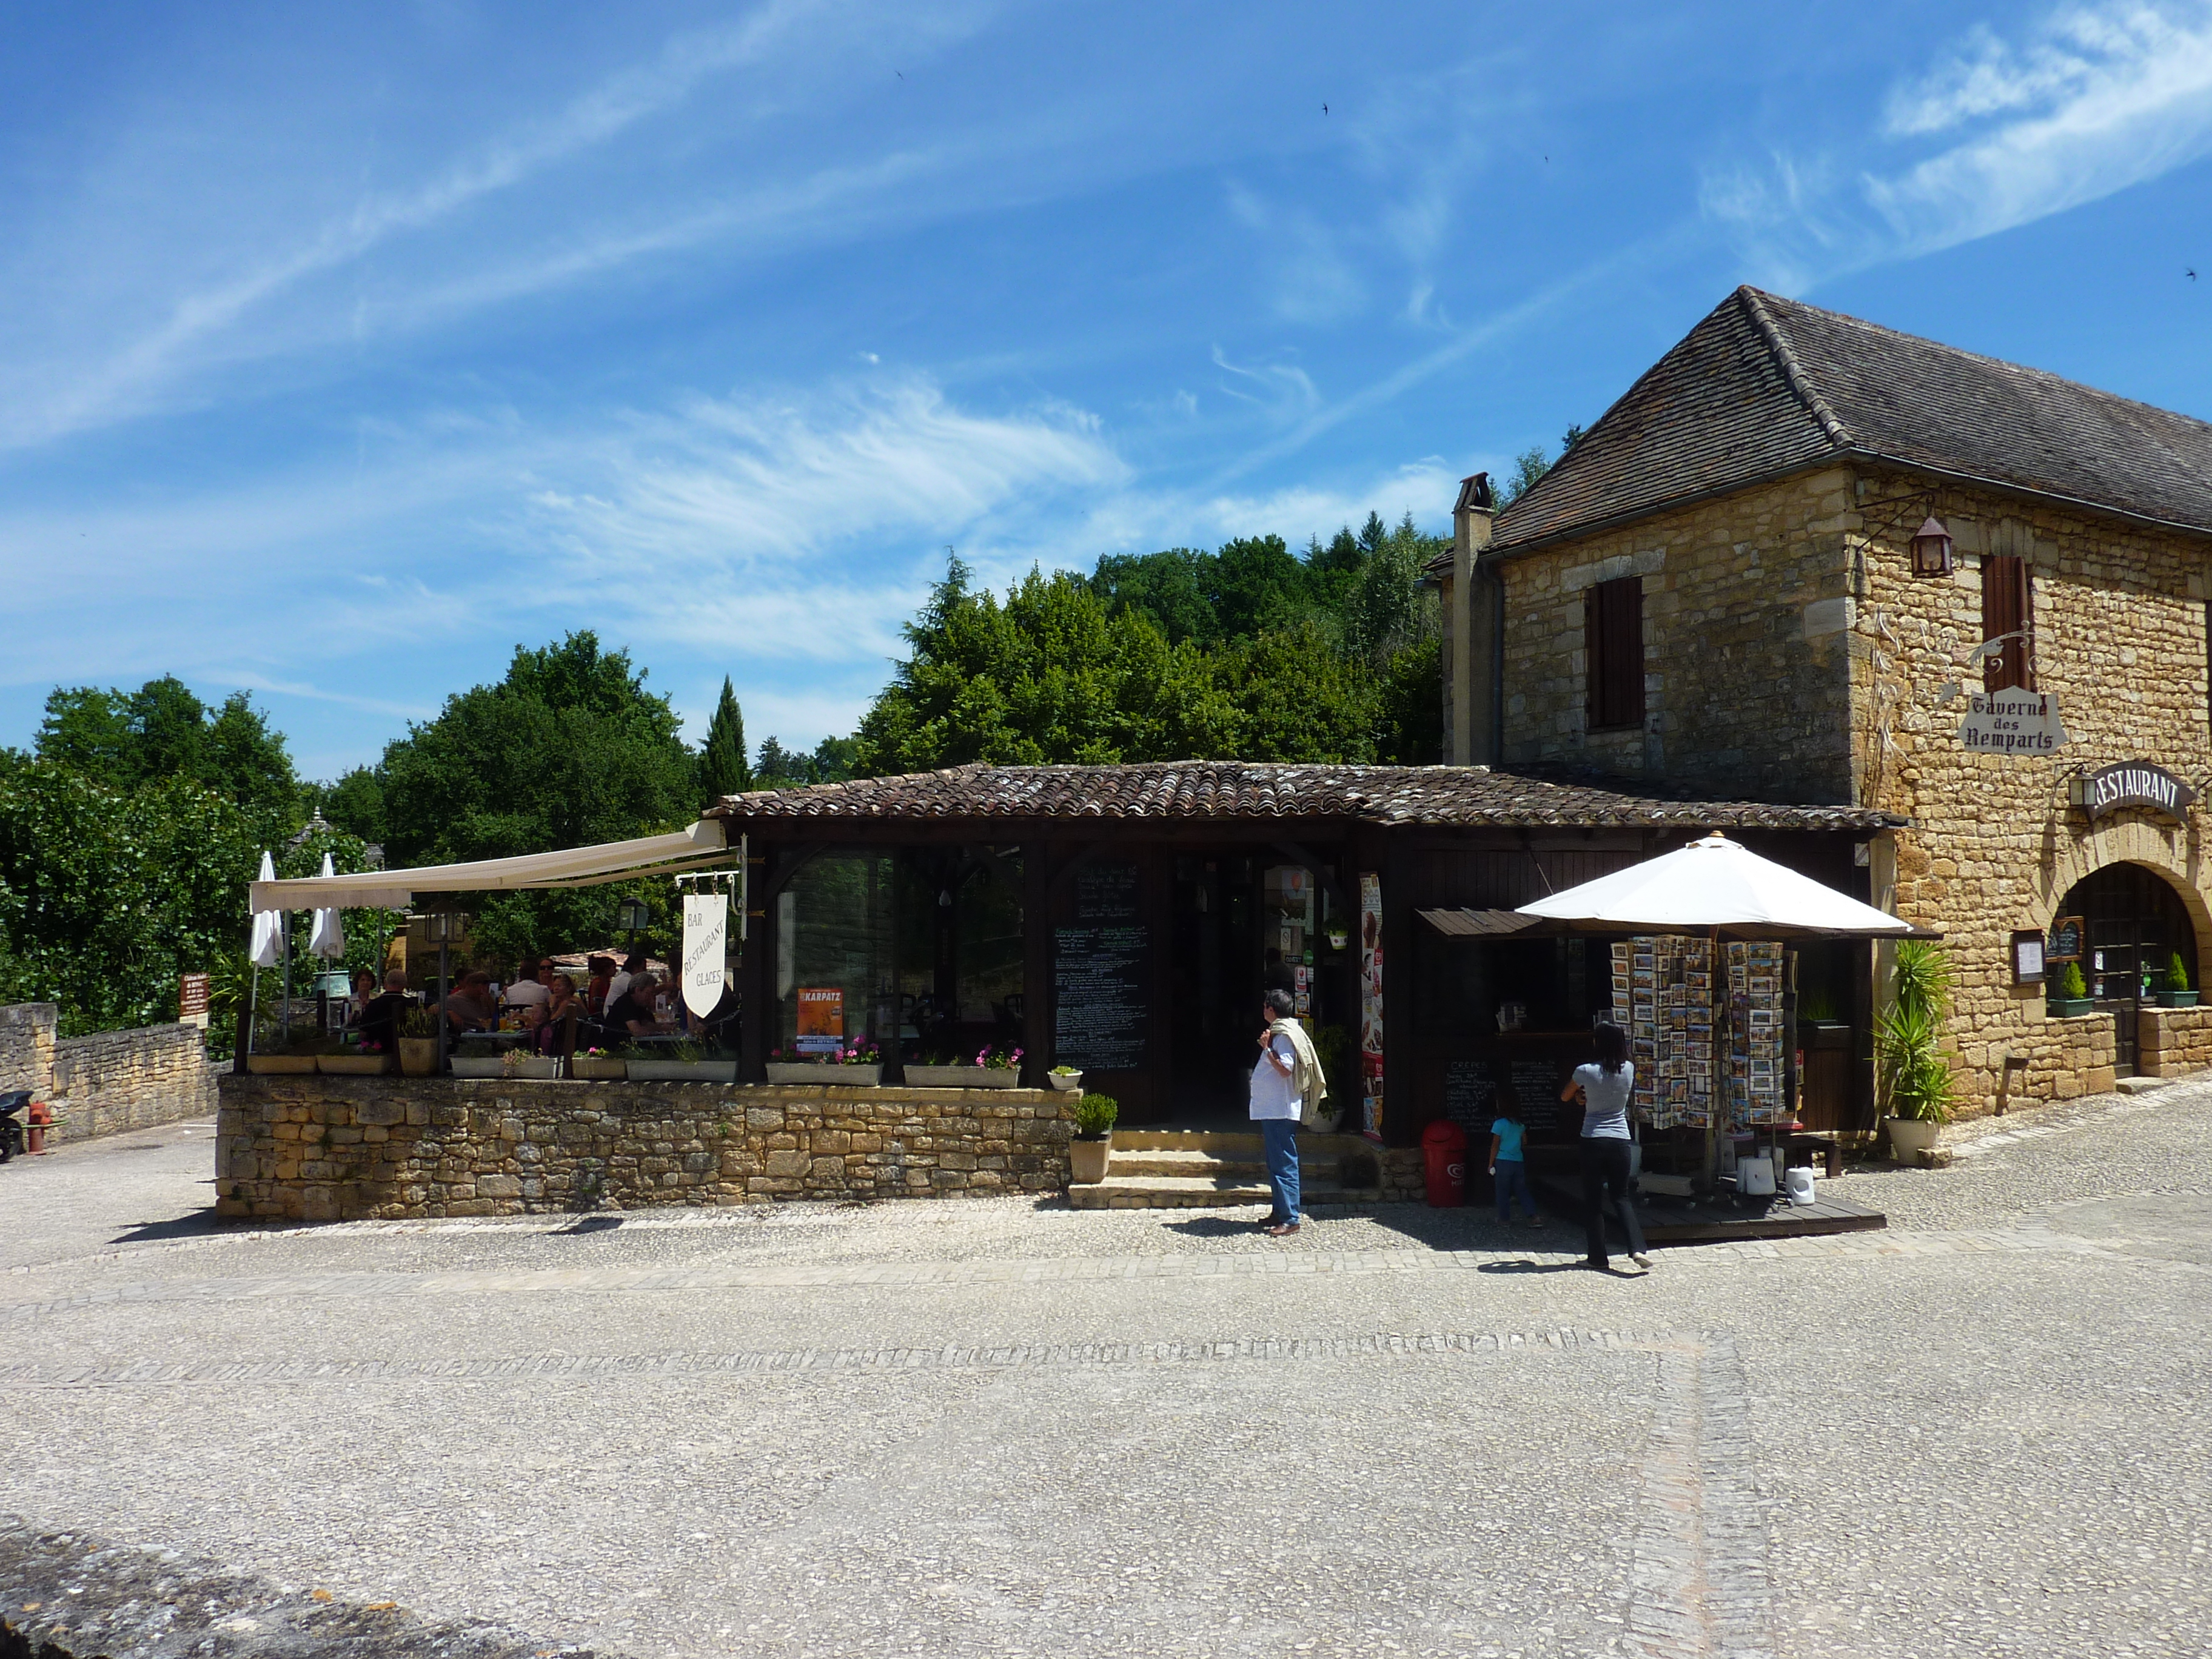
2007, 610
1613, 640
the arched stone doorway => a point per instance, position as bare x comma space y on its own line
2135, 920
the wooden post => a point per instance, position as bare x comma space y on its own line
1037, 1057
756, 977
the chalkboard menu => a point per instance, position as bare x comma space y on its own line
1471, 1095
1106, 892
1099, 972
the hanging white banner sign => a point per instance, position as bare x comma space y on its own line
706, 938
2012, 723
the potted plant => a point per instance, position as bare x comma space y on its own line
282, 1053
597, 1066
994, 1068
856, 1065
1911, 1073
477, 1056
1066, 1079
1090, 1148
2175, 993
521, 1062
2073, 999
679, 1062
369, 1060
1819, 1023
418, 1042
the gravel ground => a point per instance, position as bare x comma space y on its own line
995, 1426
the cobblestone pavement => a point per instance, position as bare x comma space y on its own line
996, 1427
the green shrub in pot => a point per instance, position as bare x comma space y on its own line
1095, 1115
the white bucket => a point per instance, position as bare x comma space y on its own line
1754, 1176
1800, 1182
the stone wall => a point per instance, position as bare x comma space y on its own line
2118, 623
1746, 613
1791, 655
339, 1149
2173, 1041
111, 1081
27, 1047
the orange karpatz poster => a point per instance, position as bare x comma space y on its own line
821, 1021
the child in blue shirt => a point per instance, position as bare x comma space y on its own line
1508, 1161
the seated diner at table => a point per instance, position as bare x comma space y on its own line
558, 1020
528, 990
469, 1006
600, 987
379, 1019
633, 1012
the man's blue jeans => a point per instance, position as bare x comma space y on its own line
1279, 1135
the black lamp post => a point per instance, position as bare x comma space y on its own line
446, 927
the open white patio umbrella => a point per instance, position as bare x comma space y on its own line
328, 938
1715, 886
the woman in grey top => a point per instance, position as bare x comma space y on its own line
1603, 1089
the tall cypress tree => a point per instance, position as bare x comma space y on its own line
722, 768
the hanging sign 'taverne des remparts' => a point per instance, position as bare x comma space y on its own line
2133, 783
2012, 723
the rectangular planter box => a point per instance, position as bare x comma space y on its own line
843, 1076
2071, 1007
353, 1065
962, 1077
598, 1071
682, 1071
2177, 998
280, 1065
485, 1065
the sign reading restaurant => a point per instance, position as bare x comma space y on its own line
2012, 723
2133, 783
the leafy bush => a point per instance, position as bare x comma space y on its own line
2071, 985
2176, 973
420, 1024
1095, 1115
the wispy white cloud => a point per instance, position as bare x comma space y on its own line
2102, 98
2091, 100
784, 47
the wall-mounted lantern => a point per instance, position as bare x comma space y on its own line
1931, 548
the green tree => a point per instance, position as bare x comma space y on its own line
1295, 697
355, 803
107, 894
568, 749
162, 731
1050, 675
722, 766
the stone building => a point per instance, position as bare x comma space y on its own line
1725, 588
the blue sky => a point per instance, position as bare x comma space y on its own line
344, 349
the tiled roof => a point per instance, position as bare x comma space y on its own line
1240, 790
1765, 386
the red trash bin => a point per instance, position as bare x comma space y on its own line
1444, 1148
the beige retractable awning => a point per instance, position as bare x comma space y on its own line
701, 845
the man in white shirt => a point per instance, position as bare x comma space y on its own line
1275, 1107
633, 965
528, 990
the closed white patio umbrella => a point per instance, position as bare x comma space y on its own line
268, 945
328, 940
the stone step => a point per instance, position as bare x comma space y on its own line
2141, 1085
1235, 1143
1176, 1163
1201, 1192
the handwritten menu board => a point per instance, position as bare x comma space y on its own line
1100, 968
1471, 1095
